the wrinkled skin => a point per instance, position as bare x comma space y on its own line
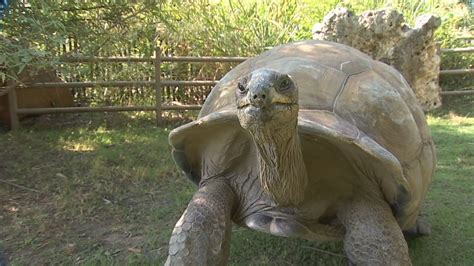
305, 141
265, 101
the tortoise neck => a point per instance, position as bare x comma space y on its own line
281, 167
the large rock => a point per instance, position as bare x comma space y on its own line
384, 36
35, 98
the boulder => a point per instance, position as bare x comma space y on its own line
35, 98
384, 36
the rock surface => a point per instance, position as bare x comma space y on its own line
384, 36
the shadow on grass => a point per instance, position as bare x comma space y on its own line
459, 105
115, 120
88, 189
111, 194
450, 205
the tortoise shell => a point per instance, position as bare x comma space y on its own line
363, 108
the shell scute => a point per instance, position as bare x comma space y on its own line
375, 107
362, 107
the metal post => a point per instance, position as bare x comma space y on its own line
157, 64
13, 107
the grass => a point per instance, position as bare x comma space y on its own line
103, 190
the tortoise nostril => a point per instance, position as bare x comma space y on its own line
263, 96
255, 96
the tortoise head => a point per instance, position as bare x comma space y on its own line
266, 98
267, 106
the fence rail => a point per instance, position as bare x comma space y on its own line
190, 59
456, 71
458, 50
120, 84
158, 84
449, 72
457, 92
104, 109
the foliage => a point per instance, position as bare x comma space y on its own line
37, 33
42, 30
108, 190
104, 191
239, 28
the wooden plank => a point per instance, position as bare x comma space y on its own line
457, 93
120, 84
104, 109
90, 84
97, 59
188, 83
158, 85
6, 89
13, 109
205, 59
458, 50
456, 71
210, 59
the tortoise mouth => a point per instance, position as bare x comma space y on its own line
269, 110
276, 105
269, 114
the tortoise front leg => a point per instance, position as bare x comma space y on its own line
373, 236
202, 234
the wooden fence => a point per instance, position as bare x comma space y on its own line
157, 84
457, 72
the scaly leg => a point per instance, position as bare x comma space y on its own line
202, 234
373, 236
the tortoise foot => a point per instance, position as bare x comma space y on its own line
421, 228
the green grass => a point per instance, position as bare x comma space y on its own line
103, 190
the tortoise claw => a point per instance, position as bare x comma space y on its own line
421, 228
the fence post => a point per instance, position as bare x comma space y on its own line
157, 64
12, 108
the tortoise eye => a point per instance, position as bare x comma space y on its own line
241, 87
285, 85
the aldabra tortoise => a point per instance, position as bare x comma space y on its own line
311, 139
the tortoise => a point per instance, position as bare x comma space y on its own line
311, 139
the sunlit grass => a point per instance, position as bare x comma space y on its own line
108, 192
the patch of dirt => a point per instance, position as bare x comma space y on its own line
122, 241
